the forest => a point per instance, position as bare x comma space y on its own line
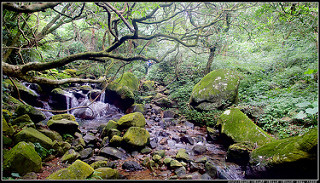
159, 90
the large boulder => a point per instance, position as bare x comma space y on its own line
26, 94
22, 121
135, 119
237, 127
78, 170
105, 173
59, 99
120, 91
6, 128
63, 116
63, 126
217, 90
129, 80
136, 137
22, 158
29, 134
35, 115
289, 158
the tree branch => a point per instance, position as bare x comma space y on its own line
29, 8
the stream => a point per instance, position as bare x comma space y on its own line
165, 134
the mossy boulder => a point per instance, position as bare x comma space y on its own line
99, 164
107, 129
116, 141
6, 129
130, 80
216, 90
61, 147
148, 85
136, 137
29, 134
289, 158
53, 135
182, 155
85, 88
70, 156
240, 152
136, 108
63, 116
22, 158
119, 95
162, 100
78, 170
105, 173
237, 127
63, 126
22, 121
35, 115
135, 119
26, 94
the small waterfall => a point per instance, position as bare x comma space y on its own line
102, 96
71, 101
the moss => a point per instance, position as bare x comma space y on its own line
53, 135
116, 141
6, 129
99, 164
107, 129
22, 158
71, 72
129, 80
138, 108
78, 170
123, 91
287, 150
23, 120
63, 116
135, 119
216, 89
58, 91
63, 126
106, 173
70, 156
182, 154
32, 135
35, 115
7, 114
238, 127
175, 164
148, 85
136, 137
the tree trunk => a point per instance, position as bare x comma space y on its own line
210, 59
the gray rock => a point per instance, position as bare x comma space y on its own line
85, 153
205, 177
113, 153
199, 149
168, 114
187, 139
180, 171
154, 142
131, 166
89, 138
211, 169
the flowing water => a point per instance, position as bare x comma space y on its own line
167, 138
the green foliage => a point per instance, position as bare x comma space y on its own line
43, 152
201, 118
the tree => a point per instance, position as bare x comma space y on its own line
28, 26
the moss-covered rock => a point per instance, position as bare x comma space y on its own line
22, 121
63, 116
71, 72
148, 85
6, 129
26, 94
129, 80
7, 115
105, 173
182, 155
136, 108
290, 158
22, 158
239, 128
116, 141
162, 100
135, 119
107, 129
136, 137
175, 164
99, 164
119, 95
63, 126
217, 90
29, 134
35, 115
78, 170
240, 152
70, 156
53, 135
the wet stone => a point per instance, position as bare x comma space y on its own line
89, 138
189, 124
180, 171
131, 166
85, 153
113, 153
187, 139
199, 149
